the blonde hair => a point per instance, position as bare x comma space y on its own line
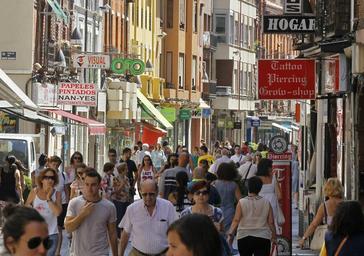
122, 167
333, 188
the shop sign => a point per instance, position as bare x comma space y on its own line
286, 79
77, 94
206, 112
237, 125
281, 157
169, 114
221, 123
334, 75
255, 122
184, 114
44, 94
289, 24
91, 61
8, 55
229, 124
133, 67
278, 145
293, 7
196, 113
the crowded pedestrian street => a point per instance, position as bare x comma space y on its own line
181, 127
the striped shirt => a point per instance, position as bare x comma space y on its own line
148, 233
167, 182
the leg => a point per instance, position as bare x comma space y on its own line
262, 247
52, 250
60, 221
244, 246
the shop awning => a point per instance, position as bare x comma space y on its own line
282, 127
151, 133
30, 115
152, 111
10, 92
57, 8
95, 127
203, 104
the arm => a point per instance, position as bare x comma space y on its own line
73, 193
73, 222
271, 224
30, 198
238, 195
316, 221
124, 238
33, 179
111, 229
235, 223
278, 191
19, 186
56, 207
139, 177
161, 185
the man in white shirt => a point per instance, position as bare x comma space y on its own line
223, 159
248, 166
237, 158
146, 222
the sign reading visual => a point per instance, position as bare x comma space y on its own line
77, 94
286, 79
289, 24
134, 67
91, 61
293, 7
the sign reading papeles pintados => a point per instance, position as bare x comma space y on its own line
77, 94
286, 79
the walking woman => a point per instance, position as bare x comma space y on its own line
47, 201
10, 182
24, 232
146, 170
254, 222
172, 161
333, 190
270, 189
179, 198
346, 232
77, 184
107, 180
158, 157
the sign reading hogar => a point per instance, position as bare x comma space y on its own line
77, 94
286, 79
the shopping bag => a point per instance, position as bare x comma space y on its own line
280, 218
274, 250
323, 251
318, 237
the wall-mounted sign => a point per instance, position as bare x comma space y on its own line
196, 113
237, 125
254, 122
169, 113
334, 74
8, 55
184, 114
289, 24
293, 7
91, 61
278, 144
77, 94
286, 79
206, 112
128, 66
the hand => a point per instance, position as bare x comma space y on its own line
87, 209
230, 239
21, 202
301, 243
274, 240
49, 193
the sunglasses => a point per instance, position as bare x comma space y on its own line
148, 194
77, 158
36, 241
203, 192
48, 178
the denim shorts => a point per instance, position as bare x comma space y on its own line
52, 250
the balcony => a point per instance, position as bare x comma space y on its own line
195, 97
209, 90
169, 91
183, 94
209, 40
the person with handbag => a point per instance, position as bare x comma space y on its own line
345, 235
333, 189
246, 171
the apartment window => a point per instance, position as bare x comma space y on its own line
252, 35
246, 34
169, 13
150, 18
182, 13
195, 17
205, 23
132, 14
236, 32
220, 24
241, 82
169, 61
250, 84
181, 71
231, 30
246, 80
117, 32
194, 73
161, 86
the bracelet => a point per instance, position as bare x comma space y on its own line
304, 238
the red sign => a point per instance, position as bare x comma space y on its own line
282, 157
286, 79
77, 94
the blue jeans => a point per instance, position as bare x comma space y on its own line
52, 250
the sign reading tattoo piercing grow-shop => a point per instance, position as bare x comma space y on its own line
131, 66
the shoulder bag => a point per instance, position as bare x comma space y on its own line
319, 235
243, 184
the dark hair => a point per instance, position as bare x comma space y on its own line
168, 163
150, 159
10, 159
255, 185
195, 186
74, 154
16, 218
165, 143
237, 146
91, 172
108, 167
182, 180
126, 150
260, 147
205, 162
56, 159
348, 219
199, 234
112, 151
43, 173
204, 149
42, 160
227, 171
263, 167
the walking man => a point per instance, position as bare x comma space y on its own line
92, 220
146, 222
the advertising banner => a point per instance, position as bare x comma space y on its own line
286, 79
91, 61
77, 94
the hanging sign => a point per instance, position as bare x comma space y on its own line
293, 7
128, 66
91, 61
286, 79
77, 94
289, 24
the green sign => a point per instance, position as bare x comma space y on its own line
131, 66
220, 123
229, 124
169, 114
184, 114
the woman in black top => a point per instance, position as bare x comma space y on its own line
346, 233
10, 182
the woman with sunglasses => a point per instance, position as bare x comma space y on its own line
47, 201
146, 170
25, 232
70, 171
77, 184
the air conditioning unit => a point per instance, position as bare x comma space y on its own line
223, 91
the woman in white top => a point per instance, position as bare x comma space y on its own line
146, 170
158, 157
254, 221
47, 201
270, 189
333, 189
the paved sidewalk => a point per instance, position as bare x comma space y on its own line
296, 238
